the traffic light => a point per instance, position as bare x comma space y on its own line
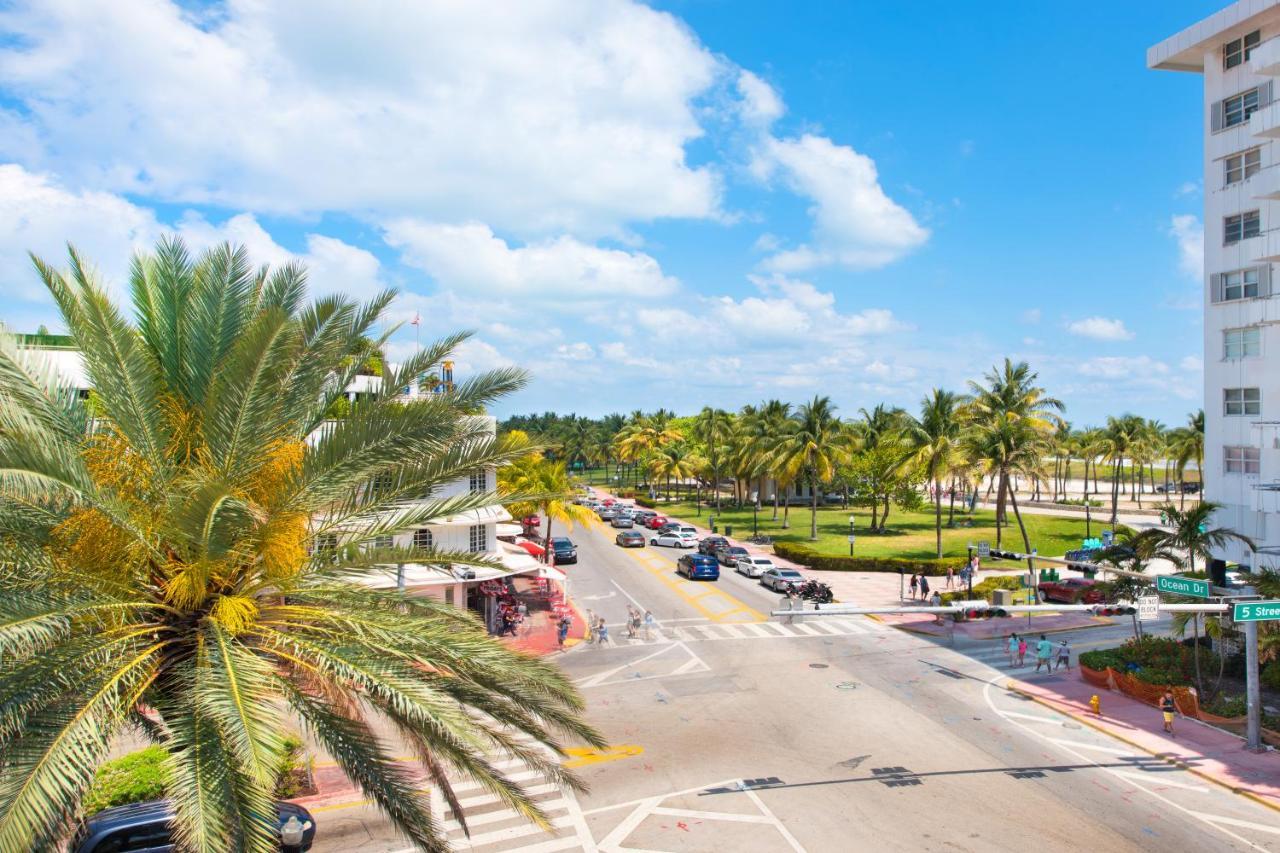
1114, 610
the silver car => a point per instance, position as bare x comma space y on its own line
621, 520
753, 567
778, 579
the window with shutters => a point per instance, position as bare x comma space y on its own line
1246, 164
479, 539
1242, 226
479, 481
1241, 460
422, 538
1241, 284
1237, 52
1237, 109
1242, 343
1241, 401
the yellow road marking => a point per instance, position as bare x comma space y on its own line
664, 571
581, 756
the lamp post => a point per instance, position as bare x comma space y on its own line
755, 518
852, 536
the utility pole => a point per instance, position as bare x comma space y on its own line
1252, 690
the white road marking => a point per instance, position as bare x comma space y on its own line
1154, 779
1095, 747
808, 629
740, 818
732, 631
592, 680
791, 839
1233, 821
1035, 717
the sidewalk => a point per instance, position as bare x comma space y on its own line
1208, 752
537, 636
990, 629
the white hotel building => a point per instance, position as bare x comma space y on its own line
1237, 50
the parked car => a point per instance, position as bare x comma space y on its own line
609, 501
531, 521
778, 579
753, 567
655, 522
629, 539
674, 539
607, 513
1168, 488
145, 827
729, 555
622, 521
709, 544
564, 550
698, 567
1190, 488
1071, 591
640, 516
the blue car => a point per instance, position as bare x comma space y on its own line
698, 567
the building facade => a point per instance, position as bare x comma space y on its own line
1237, 52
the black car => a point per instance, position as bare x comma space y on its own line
711, 544
144, 828
1190, 488
564, 549
731, 554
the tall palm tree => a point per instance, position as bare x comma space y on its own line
1006, 445
712, 427
673, 461
812, 449
934, 439
1133, 551
158, 572
1121, 439
541, 486
1192, 535
1187, 445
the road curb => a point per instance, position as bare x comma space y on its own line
1093, 725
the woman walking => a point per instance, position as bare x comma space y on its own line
915, 582
1022, 650
924, 588
1012, 645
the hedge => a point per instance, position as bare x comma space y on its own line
645, 502
839, 563
981, 590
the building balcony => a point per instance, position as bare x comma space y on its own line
1265, 58
1265, 186
1265, 123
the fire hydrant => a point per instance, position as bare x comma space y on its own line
1096, 704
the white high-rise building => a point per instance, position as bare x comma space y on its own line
1237, 50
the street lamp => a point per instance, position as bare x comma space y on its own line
852, 537
755, 518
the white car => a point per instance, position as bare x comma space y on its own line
753, 567
675, 539
778, 579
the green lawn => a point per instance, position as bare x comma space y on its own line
910, 534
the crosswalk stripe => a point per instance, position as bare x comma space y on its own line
732, 631
755, 629
829, 628
553, 845
523, 776
807, 629
517, 832
781, 629
486, 799
505, 814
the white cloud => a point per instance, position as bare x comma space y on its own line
1123, 367
1100, 329
759, 103
528, 116
1192, 363
1031, 316
878, 370
1187, 188
1189, 233
856, 225
471, 259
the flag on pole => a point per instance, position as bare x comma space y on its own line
416, 319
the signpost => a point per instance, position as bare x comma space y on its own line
1256, 611
1148, 608
1182, 586
984, 550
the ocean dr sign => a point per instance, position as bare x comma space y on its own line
1182, 586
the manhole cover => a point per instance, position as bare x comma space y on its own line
817, 666
847, 685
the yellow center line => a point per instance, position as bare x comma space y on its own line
663, 573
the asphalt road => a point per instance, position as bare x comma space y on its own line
736, 732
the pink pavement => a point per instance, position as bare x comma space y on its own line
1210, 753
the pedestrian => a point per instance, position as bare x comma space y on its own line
648, 624
1022, 651
1064, 655
590, 630
602, 632
1013, 648
1168, 709
975, 565
1044, 651
915, 582
935, 600
924, 587
951, 576
633, 624
562, 630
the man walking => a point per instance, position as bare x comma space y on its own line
1168, 709
1044, 650
924, 588
562, 630
1064, 656
951, 576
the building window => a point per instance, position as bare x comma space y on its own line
1238, 108
327, 542
479, 539
422, 538
379, 542
1242, 226
1237, 52
479, 481
1241, 284
1246, 164
1241, 401
1242, 460
1242, 343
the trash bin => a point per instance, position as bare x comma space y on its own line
728, 530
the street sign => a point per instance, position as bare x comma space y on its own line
984, 550
1182, 586
1148, 608
852, 538
1256, 611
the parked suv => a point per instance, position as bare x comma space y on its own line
698, 567
145, 827
729, 555
564, 549
710, 544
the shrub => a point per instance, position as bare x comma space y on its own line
985, 588
1155, 660
645, 502
1270, 677
840, 563
1227, 706
133, 778
294, 777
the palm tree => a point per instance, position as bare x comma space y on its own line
812, 449
1133, 551
711, 427
542, 486
934, 439
1187, 445
1004, 445
171, 570
1120, 440
1192, 535
673, 461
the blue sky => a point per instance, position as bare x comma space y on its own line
669, 205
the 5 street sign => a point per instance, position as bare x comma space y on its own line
1182, 586
1256, 611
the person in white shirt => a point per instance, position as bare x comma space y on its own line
1064, 655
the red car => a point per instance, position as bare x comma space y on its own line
531, 521
609, 502
656, 522
1071, 591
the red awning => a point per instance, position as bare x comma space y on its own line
532, 547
